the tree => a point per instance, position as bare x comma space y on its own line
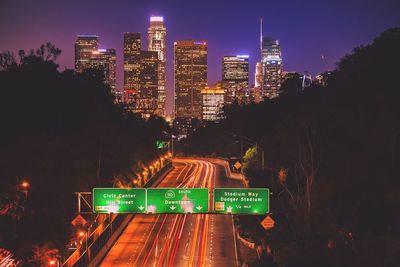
291, 85
330, 149
62, 133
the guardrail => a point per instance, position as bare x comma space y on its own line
106, 226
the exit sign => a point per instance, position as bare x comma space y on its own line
241, 200
177, 200
180, 200
119, 200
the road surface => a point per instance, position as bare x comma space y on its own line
180, 239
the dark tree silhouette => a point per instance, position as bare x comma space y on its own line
332, 157
62, 133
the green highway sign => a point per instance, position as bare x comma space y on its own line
241, 200
177, 200
161, 144
119, 200
180, 200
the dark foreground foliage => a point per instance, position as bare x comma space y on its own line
62, 133
332, 157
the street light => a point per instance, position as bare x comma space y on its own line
24, 184
24, 188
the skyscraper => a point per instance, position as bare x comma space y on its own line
190, 76
132, 48
213, 102
271, 66
257, 75
156, 41
235, 78
146, 101
256, 93
105, 61
84, 46
271, 60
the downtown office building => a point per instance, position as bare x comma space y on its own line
190, 77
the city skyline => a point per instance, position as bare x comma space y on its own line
280, 123
309, 28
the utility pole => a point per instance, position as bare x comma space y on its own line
262, 163
171, 145
241, 155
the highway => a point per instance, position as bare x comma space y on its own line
180, 239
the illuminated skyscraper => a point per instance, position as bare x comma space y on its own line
255, 92
257, 75
271, 58
146, 102
271, 66
132, 48
84, 46
235, 78
105, 60
213, 102
156, 41
190, 76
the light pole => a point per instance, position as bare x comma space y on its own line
171, 145
24, 188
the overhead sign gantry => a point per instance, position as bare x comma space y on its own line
181, 200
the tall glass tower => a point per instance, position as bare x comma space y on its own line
132, 47
271, 60
105, 61
190, 77
271, 66
156, 41
85, 45
235, 78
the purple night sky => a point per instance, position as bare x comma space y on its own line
306, 29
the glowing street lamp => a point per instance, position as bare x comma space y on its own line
54, 261
25, 184
162, 161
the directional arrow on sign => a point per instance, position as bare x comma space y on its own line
229, 209
199, 207
172, 207
141, 207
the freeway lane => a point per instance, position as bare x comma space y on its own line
136, 235
180, 239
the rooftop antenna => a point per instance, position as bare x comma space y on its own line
261, 32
